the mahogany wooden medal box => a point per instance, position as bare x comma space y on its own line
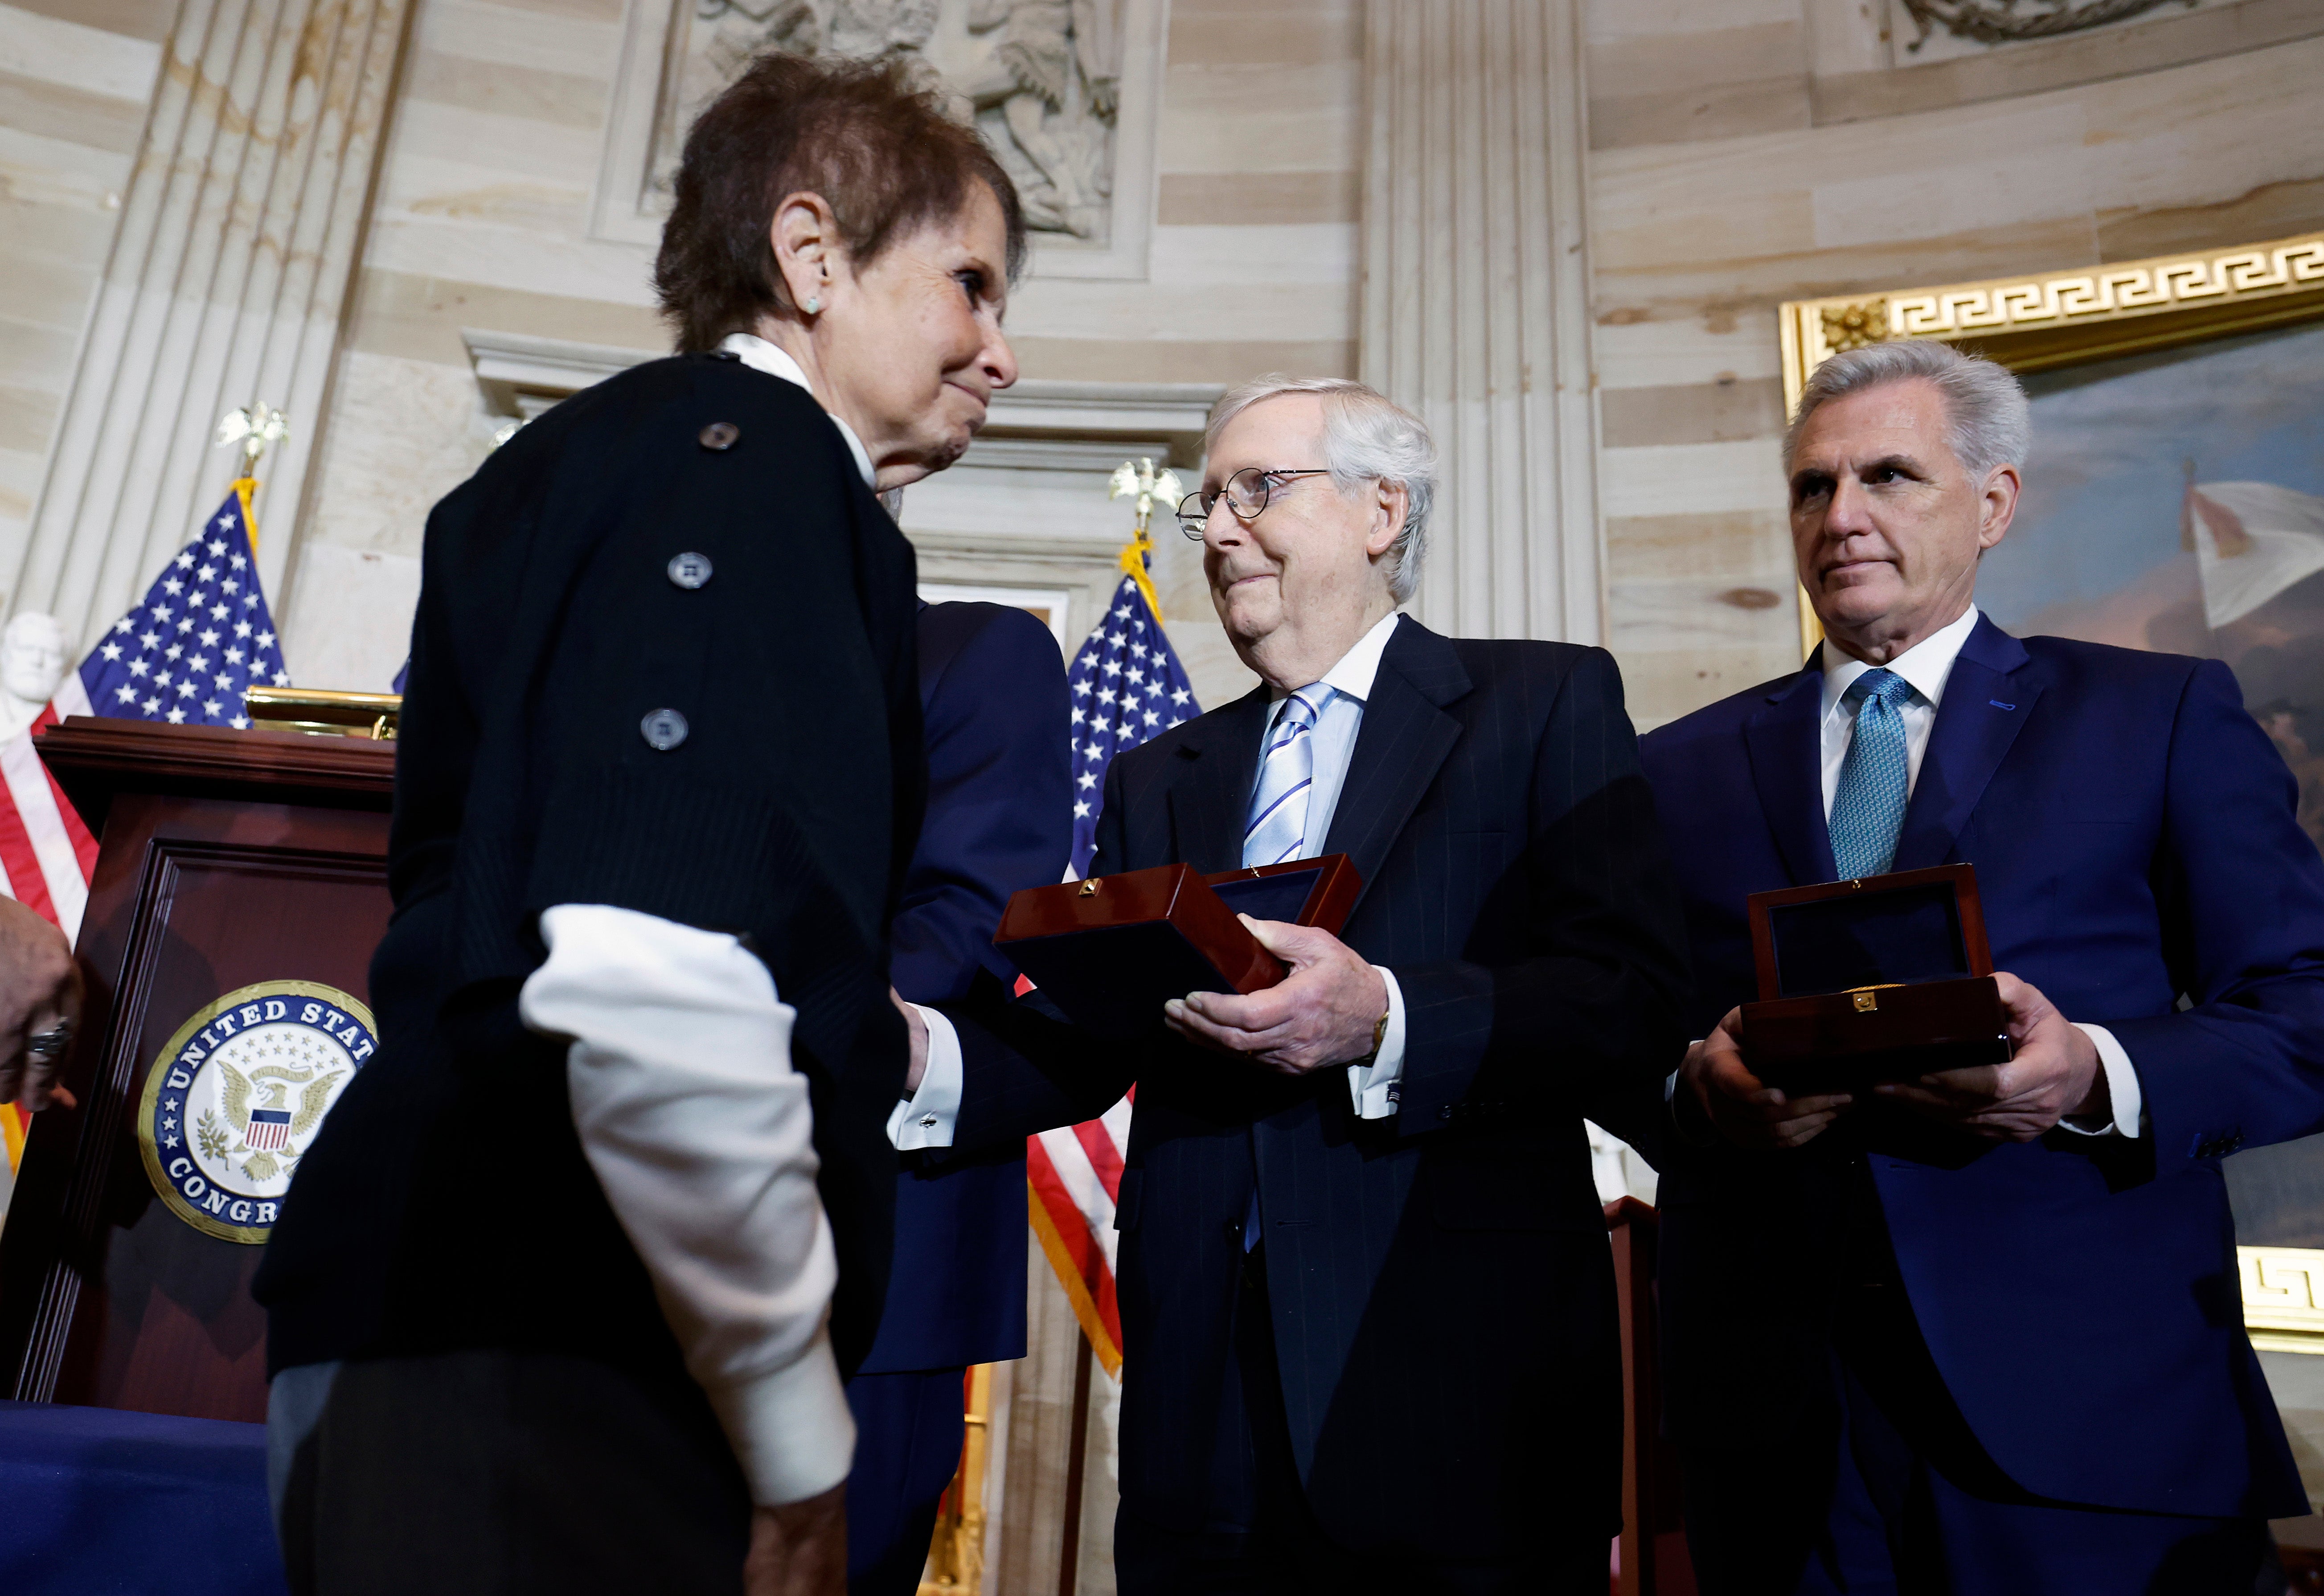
1888, 978
1112, 950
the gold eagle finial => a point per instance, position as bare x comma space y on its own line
255, 426
1140, 478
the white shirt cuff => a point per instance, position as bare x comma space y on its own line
927, 1118
701, 1133
791, 1428
2122, 1086
1373, 1082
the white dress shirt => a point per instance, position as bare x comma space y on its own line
1925, 665
1338, 718
760, 356
700, 1132
927, 1117
1928, 665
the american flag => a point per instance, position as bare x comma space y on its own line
1127, 686
184, 655
200, 637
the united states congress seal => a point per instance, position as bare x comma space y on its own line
233, 1101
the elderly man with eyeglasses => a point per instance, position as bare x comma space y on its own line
1367, 1308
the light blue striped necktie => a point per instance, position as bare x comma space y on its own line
1876, 778
1277, 828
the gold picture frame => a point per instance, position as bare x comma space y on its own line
2037, 322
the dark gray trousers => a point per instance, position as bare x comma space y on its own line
502, 1473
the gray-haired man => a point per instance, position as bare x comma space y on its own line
1367, 1305
1980, 1333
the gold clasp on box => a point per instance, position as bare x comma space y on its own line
1089, 888
1867, 999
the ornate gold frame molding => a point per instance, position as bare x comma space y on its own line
2036, 323
2062, 318
2283, 1297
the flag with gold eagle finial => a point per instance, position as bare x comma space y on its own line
1127, 686
184, 654
198, 641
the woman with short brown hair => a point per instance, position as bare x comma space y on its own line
564, 1295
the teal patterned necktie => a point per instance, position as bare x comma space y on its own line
1876, 782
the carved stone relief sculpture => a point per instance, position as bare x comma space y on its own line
1063, 91
1933, 29
1041, 79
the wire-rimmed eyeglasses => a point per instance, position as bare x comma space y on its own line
1245, 494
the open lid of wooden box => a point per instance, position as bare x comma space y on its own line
1900, 929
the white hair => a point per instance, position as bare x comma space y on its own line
1989, 421
1367, 438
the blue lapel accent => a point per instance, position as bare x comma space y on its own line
1403, 743
1971, 737
1208, 803
1785, 746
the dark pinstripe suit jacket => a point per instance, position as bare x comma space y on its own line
1442, 1298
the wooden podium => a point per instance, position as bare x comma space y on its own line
227, 859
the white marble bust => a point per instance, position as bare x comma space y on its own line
34, 655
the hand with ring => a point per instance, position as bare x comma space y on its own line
40, 1008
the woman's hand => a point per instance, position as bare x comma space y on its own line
40, 1008
799, 1549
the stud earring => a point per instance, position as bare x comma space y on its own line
812, 306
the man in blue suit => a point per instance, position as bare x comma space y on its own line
1981, 1333
999, 817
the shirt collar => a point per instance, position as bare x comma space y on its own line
760, 356
1352, 676
1927, 664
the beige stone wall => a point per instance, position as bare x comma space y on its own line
75, 77
1744, 152
482, 220
1749, 152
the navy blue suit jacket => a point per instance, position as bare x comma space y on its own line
1000, 817
1443, 1299
2136, 847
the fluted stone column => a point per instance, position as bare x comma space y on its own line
227, 277
1476, 300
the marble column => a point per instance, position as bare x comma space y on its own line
236, 243
1476, 301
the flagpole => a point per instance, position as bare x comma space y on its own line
253, 426
1140, 478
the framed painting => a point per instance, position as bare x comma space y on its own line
2175, 501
